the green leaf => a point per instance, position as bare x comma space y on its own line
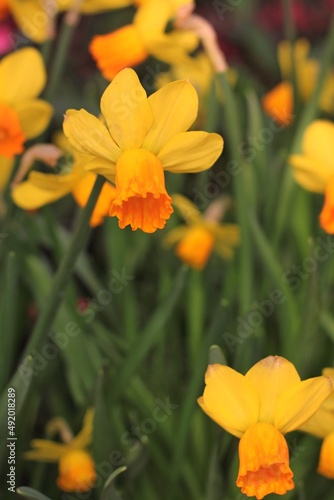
31, 494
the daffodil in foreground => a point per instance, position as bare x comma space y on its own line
141, 138
41, 189
259, 408
313, 169
76, 470
322, 426
278, 102
202, 235
22, 115
132, 44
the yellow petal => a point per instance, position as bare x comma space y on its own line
98, 166
94, 6
172, 48
45, 450
318, 144
227, 238
152, 17
126, 110
87, 135
174, 109
22, 75
83, 439
175, 235
297, 404
42, 189
191, 152
307, 175
34, 116
6, 167
271, 377
301, 49
82, 191
187, 209
31, 18
229, 399
320, 424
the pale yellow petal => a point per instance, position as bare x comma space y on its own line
98, 166
297, 404
174, 110
34, 116
191, 152
172, 48
301, 49
87, 135
175, 235
271, 377
96, 6
45, 450
31, 18
320, 424
229, 399
22, 75
126, 110
83, 439
187, 209
309, 174
6, 167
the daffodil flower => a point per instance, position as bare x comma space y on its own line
142, 138
278, 102
321, 425
201, 236
133, 43
41, 189
22, 115
76, 470
313, 169
259, 408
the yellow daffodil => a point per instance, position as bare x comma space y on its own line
278, 103
259, 408
76, 470
41, 189
133, 43
22, 115
313, 169
322, 426
202, 235
142, 138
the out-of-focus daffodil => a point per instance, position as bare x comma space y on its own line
4, 9
76, 470
41, 189
259, 408
322, 426
142, 138
133, 43
34, 17
313, 169
278, 103
202, 235
22, 115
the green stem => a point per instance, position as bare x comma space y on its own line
65, 37
235, 139
64, 272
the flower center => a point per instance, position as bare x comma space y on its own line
196, 246
11, 135
141, 198
264, 462
76, 471
118, 50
